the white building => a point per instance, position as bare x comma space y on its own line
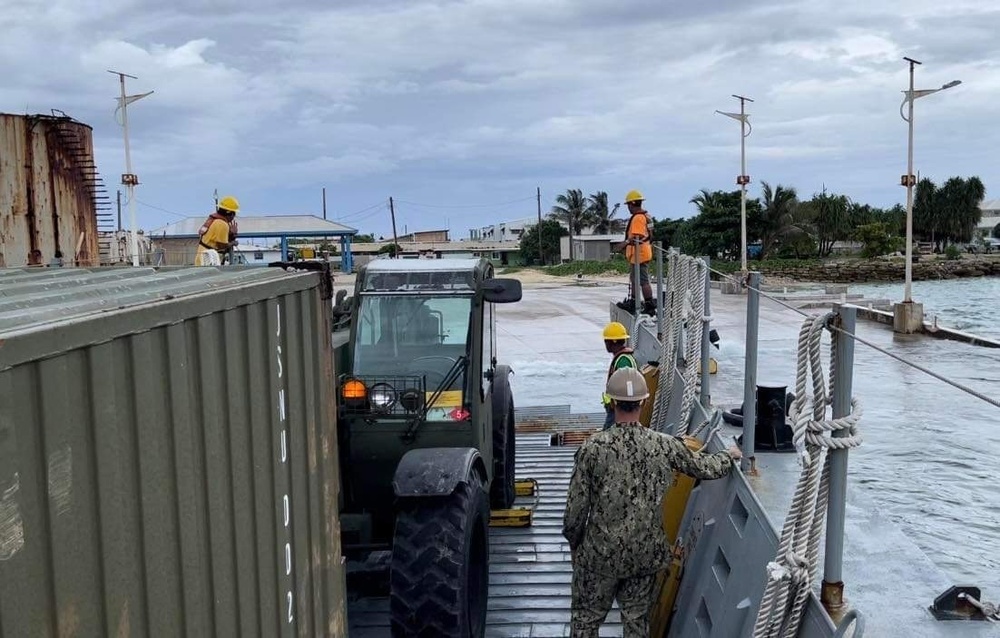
590, 247
991, 215
504, 231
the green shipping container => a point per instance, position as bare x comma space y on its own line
168, 454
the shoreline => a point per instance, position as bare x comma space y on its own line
793, 273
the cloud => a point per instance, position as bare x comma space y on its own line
482, 100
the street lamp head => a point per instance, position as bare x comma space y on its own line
951, 84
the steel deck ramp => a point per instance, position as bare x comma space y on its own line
530, 569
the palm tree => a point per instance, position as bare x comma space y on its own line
706, 201
603, 221
780, 217
571, 209
926, 217
972, 196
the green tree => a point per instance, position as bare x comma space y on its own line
390, 249
781, 220
926, 216
603, 221
549, 231
665, 231
571, 208
877, 239
895, 219
715, 231
949, 213
364, 239
830, 217
996, 231
968, 214
797, 246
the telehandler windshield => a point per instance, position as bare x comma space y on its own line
413, 335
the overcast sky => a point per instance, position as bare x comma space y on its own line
459, 109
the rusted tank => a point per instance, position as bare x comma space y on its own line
51, 195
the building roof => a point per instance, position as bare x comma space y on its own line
442, 246
265, 226
990, 204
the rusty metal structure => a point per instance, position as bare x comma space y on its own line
53, 202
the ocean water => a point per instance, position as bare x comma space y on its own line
931, 453
971, 305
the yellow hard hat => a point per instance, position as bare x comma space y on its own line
229, 203
634, 196
615, 331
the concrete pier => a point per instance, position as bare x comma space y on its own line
908, 317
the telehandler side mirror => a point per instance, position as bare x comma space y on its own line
502, 290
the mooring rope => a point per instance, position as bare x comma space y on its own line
796, 563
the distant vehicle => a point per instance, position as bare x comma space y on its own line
986, 245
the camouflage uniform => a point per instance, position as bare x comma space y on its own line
613, 520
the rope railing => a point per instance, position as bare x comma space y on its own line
876, 347
684, 324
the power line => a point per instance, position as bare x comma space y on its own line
164, 210
363, 210
497, 205
915, 366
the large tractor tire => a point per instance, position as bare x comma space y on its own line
504, 441
439, 576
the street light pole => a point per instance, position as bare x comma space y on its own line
909, 181
743, 179
129, 179
910, 316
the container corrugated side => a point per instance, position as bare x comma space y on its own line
168, 464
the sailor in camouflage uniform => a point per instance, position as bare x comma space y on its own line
613, 518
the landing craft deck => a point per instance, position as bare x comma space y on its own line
530, 569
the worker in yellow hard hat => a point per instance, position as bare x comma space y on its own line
616, 342
218, 234
639, 234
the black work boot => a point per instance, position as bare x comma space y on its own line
649, 307
628, 305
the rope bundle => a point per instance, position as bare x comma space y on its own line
795, 565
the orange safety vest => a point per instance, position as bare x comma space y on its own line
233, 228
645, 246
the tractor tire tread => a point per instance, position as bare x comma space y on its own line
428, 557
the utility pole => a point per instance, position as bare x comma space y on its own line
129, 179
395, 243
541, 254
743, 179
324, 202
119, 210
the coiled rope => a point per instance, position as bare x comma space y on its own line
795, 565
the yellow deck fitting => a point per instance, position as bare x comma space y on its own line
525, 487
517, 516
514, 517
